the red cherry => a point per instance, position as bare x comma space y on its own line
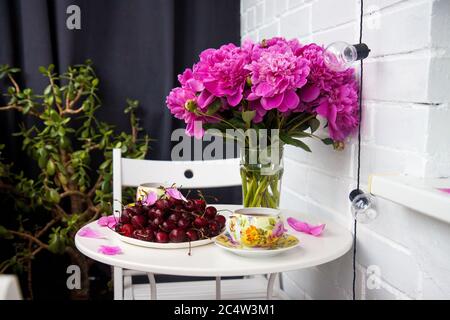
174, 217
174, 202
124, 218
221, 221
138, 222
192, 235
168, 226
210, 213
200, 222
183, 223
177, 235
162, 204
162, 237
189, 205
126, 230
214, 228
200, 204
144, 234
158, 221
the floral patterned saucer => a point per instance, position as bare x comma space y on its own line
285, 243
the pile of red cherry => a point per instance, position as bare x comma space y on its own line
170, 220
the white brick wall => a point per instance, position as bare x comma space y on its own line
406, 129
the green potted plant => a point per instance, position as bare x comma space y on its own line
64, 141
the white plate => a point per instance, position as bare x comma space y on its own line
169, 245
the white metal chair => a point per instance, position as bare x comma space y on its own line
187, 175
9, 287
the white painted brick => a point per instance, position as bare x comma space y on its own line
296, 177
384, 292
251, 18
329, 190
438, 127
244, 27
292, 289
380, 4
282, 6
327, 13
323, 157
270, 10
259, 14
245, 4
294, 3
345, 33
401, 78
440, 24
269, 31
397, 266
380, 160
405, 130
439, 80
383, 36
393, 123
296, 23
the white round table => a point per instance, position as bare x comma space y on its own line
210, 260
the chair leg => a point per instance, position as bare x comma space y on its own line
128, 293
218, 288
270, 283
118, 283
151, 279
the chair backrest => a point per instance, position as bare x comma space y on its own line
186, 174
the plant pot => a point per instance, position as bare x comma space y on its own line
261, 172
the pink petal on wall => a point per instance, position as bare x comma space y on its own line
110, 250
87, 232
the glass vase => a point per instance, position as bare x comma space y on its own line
261, 173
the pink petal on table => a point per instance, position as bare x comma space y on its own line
103, 221
110, 250
90, 233
306, 227
107, 221
150, 198
446, 190
112, 221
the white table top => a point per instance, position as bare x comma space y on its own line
210, 260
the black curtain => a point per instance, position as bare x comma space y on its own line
137, 47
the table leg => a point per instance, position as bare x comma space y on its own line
218, 288
270, 283
151, 279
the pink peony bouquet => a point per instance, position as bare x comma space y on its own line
276, 83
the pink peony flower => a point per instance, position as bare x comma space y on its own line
341, 111
276, 76
222, 73
182, 103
